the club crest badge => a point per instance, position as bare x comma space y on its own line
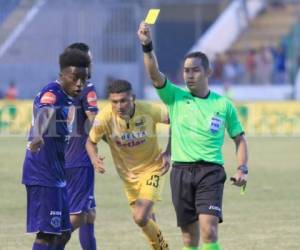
55, 222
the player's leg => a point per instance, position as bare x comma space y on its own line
142, 211
148, 191
209, 194
44, 214
43, 241
143, 217
190, 235
80, 186
209, 231
61, 240
78, 220
65, 224
76, 189
86, 232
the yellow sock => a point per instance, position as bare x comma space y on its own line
154, 236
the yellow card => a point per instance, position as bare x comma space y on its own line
152, 16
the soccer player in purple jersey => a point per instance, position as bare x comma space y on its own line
43, 168
79, 169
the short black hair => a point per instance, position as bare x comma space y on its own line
81, 46
74, 57
202, 56
119, 86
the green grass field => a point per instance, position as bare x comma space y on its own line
267, 217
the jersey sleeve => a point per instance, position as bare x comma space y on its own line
98, 129
167, 92
233, 124
48, 98
89, 100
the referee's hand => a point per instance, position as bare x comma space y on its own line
98, 164
239, 179
144, 33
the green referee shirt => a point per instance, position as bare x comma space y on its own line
198, 124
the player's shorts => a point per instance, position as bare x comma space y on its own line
148, 186
47, 210
197, 188
80, 188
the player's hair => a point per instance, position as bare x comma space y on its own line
119, 86
81, 46
202, 56
74, 57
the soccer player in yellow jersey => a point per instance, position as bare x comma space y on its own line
130, 130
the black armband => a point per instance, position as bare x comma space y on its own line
147, 48
243, 169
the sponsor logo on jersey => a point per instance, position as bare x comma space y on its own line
131, 139
48, 98
92, 98
55, 213
133, 135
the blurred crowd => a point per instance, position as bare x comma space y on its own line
10, 93
256, 67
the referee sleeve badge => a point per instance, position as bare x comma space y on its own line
215, 124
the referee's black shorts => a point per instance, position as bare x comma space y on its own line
197, 188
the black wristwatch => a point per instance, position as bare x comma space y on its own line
243, 168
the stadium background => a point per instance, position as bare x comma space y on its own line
254, 46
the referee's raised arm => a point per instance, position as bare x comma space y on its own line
150, 61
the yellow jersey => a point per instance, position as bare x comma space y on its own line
133, 143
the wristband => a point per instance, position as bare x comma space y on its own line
243, 169
147, 48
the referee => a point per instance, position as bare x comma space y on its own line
198, 119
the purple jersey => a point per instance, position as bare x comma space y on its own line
76, 155
46, 167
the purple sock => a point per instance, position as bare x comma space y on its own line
38, 246
87, 237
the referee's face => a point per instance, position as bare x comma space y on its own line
194, 74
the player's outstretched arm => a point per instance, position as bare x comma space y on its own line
40, 125
96, 160
240, 177
150, 60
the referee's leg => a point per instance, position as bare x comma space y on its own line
209, 231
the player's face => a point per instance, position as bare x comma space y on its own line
122, 103
194, 74
73, 79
